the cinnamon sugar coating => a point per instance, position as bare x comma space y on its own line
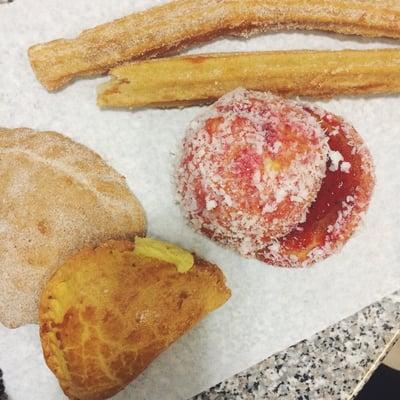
182, 23
57, 196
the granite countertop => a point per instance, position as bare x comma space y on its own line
328, 366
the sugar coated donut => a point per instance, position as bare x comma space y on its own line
274, 179
250, 168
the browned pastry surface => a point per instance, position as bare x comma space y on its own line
56, 197
181, 23
182, 81
108, 312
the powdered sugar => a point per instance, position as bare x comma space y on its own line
345, 167
336, 158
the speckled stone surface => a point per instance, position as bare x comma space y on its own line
328, 366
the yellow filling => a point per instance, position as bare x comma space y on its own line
164, 251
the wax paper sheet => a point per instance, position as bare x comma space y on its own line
270, 308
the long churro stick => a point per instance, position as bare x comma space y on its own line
178, 81
180, 23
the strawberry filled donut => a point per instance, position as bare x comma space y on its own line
250, 168
273, 179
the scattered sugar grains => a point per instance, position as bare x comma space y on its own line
250, 168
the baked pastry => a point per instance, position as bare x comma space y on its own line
250, 169
273, 179
56, 197
182, 23
203, 78
110, 311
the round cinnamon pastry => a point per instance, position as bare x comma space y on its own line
57, 196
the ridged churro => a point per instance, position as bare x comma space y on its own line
181, 23
203, 78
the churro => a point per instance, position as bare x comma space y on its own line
182, 23
200, 79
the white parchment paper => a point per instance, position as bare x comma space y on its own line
270, 308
